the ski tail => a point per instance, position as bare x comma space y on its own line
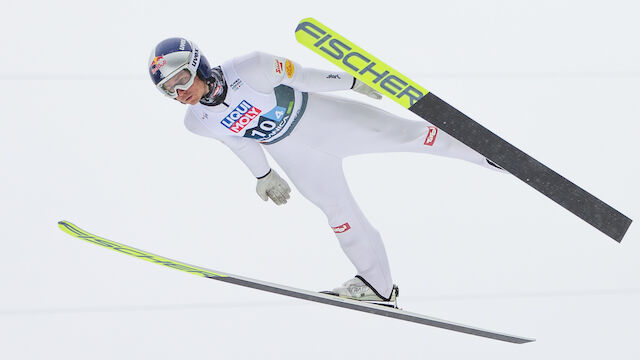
535, 174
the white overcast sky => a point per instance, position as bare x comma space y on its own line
86, 138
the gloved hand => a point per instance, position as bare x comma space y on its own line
274, 187
365, 89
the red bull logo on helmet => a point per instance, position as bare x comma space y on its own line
157, 63
241, 116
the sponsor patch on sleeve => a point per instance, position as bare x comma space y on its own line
278, 66
289, 68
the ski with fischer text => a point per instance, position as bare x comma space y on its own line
386, 80
75, 231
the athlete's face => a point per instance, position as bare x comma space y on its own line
193, 94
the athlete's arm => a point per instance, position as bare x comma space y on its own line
263, 72
248, 150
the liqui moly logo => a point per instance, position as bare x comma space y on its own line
241, 116
342, 228
431, 136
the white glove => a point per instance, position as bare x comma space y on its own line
274, 187
365, 89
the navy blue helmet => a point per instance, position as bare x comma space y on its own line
174, 63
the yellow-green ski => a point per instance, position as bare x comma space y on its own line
75, 231
359, 63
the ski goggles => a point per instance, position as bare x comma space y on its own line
181, 79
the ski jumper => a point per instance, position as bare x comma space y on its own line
273, 103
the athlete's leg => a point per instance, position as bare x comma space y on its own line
344, 127
319, 177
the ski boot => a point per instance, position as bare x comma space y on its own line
359, 289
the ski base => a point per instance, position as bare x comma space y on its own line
389, 304
390, 312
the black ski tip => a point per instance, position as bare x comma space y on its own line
525, 340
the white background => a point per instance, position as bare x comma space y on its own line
86, 138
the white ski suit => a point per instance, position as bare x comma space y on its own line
274, 103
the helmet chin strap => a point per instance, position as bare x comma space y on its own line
217, 88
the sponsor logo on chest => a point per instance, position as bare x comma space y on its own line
241, 116
235, 85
